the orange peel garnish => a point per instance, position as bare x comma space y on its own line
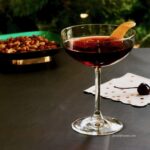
121, 30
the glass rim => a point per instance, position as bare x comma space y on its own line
96, 24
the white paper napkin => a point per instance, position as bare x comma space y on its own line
127, 96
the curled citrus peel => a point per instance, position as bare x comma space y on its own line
121, 30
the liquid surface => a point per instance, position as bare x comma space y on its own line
98, 50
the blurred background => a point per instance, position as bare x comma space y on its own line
53, 15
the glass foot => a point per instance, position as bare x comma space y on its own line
97, 126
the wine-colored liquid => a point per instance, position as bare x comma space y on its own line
98, 50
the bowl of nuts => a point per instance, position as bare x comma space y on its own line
28, 46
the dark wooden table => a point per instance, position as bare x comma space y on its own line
37, 107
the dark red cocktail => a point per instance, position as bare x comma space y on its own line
92, 45
98, 50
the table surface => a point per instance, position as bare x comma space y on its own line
37, 107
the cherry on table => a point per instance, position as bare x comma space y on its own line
143, 89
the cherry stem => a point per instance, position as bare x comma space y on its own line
124, 87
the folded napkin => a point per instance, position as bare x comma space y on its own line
127, 96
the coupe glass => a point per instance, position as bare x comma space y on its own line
92, 45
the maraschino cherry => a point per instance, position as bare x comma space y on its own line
142, 89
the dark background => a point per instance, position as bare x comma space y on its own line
53, 15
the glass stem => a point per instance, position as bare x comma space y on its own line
97, 110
